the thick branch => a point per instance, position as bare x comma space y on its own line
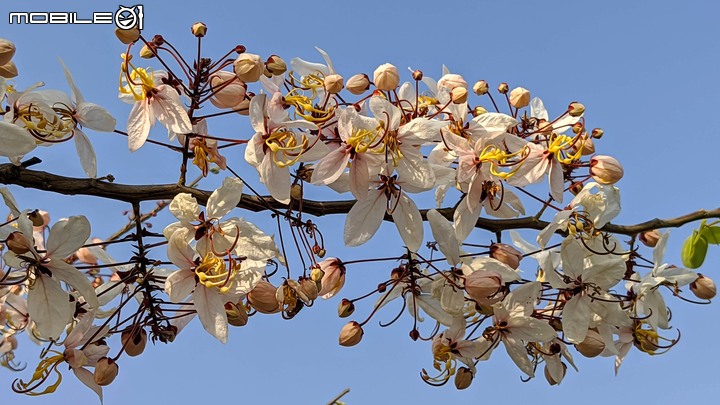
39, 180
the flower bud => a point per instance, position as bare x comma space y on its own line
605, 169
506, 254
7, 51
134, 341
703, 288
146, 52
576, 109
40, 219
463, 378
248, 67
316, 274
243, 108
18, 243
262, 298
319, 251
650, 238
550, 379
84, 254
333, 83
199, 29
459, 95
480, 87
483, 287
576, 188
75, 358
345, 308
451, 82
597, 133
417, 75
128, 36
97, 282
544, 127
8, 70
228, 91
236, 314
296, 192
588, 146
519, 97
275, 65
503, 88
479, 110
592, 345
351, 334
333, 278
106, 370
309, 288
386, 77
358, 84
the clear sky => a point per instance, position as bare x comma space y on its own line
647, 71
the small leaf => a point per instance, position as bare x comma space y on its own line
711, 234
694, 250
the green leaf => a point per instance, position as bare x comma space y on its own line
711, 234
694, 250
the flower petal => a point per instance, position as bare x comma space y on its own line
225, 198
364, 218
49, 307
67, 236
211, 311
86, 153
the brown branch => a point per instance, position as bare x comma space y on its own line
39, 180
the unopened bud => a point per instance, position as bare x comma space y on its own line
386, 77
506, 254
358, 84
333, 83
576, 109
549, 377
463, 378
520, 97
597, 133
199, 29
316, 274
592, 345
309, 288
296, 191
480, 87
8, 70
18, 243
451, 81
243, 108
106, 370
262, 298
576, 188
333, 278
7, 51
417, 75
128, 36
97, 282
503, 88
319, 251
650, 238
345, 308
276, 65
479, 110
351, 334
236, 314
146, 52
248, 67
483, 287
605, 169
588, 146
459, 95
703, 288
134, 341
228, 90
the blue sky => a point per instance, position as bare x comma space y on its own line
647, 71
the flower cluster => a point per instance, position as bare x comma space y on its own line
385, 142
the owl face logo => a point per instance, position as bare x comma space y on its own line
129, 17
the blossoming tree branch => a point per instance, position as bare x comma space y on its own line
587, 285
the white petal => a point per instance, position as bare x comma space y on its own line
518, 353
225, 198
73, 277
409, 222
87, 378
464, 219
49, 307
364, 218
14, 141
180, 284
138, 125
67, 236
276, 179
95, 117
169, 110
86, 153
330, 167
576, 318
444, 234
210, 308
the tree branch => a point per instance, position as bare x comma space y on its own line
39, 180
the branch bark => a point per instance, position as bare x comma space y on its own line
39, 180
